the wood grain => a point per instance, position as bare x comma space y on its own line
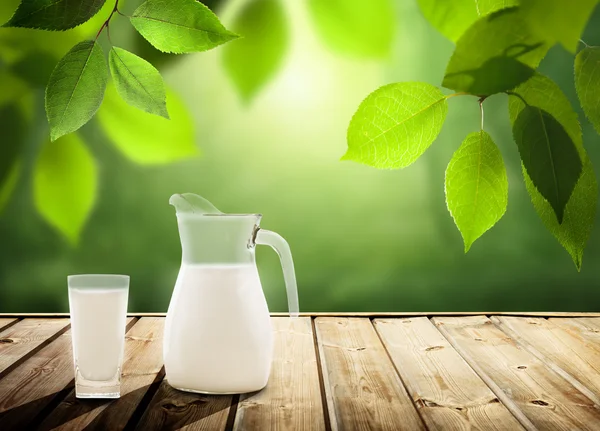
362, 387
448, 393
547, 400
25, 336
142, 362
171, 409
568, 353
292, 398
587, 329
591, 322
6, 321
35, 383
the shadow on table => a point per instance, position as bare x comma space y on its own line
154, 406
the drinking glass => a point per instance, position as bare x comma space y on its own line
98, 306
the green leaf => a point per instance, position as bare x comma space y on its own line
453, 17
145, 138
13, 126
64, 185
76, 88
587, 83
180, 26
495, 54
549, 156
252, 60
580, 211
355, 27
54, 14
559, 20
476, 186
395, 124
138, 82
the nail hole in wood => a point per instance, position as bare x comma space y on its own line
539, 403
6, 340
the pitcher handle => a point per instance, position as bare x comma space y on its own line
281, 247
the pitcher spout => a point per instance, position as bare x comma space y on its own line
190, 203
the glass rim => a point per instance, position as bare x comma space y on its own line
191, 214
97, 281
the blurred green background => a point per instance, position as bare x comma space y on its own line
362, 239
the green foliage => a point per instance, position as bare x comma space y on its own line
54, 14
35, 68
12, 124
10, 182
587, 83
395, 124
76, 88
495, 54
355, 27
14, 87
558, 20
580, 211
138, 82
253, 59
500, 50
549, 156
64, 185
145, 138
476, 186
453, 17
179, 26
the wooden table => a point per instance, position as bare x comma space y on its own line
390, 371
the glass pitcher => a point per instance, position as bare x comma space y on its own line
218, 337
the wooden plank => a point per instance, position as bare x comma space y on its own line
142, 362
519, 379
448, 393
35, 383
362, 387
292, 399
588, 328
591, 322
7, 321
362, 314
171, 409
572, 355
25, 336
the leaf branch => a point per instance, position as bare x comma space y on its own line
106, 23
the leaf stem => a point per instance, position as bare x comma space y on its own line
512, 93
582, 41
481, 100
122, 14
106, 23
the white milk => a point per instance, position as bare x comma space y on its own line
98, 329
218, 335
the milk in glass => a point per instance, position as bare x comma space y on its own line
98, 318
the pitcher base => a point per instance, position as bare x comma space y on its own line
195, 391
